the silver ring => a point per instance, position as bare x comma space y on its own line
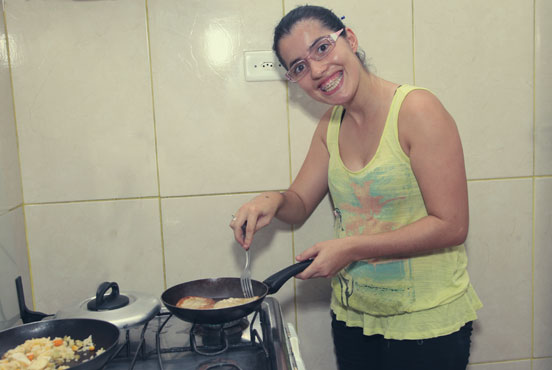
234, 218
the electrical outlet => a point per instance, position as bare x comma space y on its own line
263, 65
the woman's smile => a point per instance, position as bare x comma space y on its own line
331, 84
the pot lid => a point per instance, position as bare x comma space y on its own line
123, 309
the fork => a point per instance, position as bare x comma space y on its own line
245, 278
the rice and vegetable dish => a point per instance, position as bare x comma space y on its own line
50, 354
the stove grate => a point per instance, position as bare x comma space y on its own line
209, 350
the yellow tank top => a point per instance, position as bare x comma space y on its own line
413, 298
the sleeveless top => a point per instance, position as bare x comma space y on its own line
420, 297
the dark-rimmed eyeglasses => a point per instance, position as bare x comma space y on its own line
318, 51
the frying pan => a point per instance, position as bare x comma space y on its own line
104, 335
222, 288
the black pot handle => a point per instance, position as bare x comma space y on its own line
102, 289
275, 282
112, 301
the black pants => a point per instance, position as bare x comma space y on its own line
355, 351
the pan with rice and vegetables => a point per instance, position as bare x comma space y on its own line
83, 344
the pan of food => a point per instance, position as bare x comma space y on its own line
80, 344
220, 300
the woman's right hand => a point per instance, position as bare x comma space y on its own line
255, 214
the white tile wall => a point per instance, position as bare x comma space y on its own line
10, 177
510, 365
499, 252
143, 106
543, 88
478, 58
83, 99
542, 364
13, 263
77, 246
217, 133
543, 275
13, 251
543, 187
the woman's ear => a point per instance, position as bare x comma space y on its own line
351, 39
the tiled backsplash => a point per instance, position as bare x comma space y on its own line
135, 137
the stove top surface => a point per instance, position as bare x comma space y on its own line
239, 359
268, 350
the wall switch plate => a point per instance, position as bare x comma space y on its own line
263, 65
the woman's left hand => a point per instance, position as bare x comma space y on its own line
329, 256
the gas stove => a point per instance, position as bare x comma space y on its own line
260, 341
152, 338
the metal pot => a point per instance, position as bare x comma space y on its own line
123, 309
126, 309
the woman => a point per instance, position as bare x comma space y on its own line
392, 160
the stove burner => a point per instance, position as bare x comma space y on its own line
217, 338
212, 335
221, 363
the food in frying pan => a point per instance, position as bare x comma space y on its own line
50, 354
202, 303
230, 302
195, 303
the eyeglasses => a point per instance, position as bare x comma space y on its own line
318, 51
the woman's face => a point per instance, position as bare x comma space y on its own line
332, 80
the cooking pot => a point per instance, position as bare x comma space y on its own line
104, 335
221, 288
123, 309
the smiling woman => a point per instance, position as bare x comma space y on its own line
390, 156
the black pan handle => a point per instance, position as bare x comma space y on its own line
26, 315
275, 282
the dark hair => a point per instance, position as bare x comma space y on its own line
325, 16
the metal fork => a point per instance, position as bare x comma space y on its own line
245, 278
